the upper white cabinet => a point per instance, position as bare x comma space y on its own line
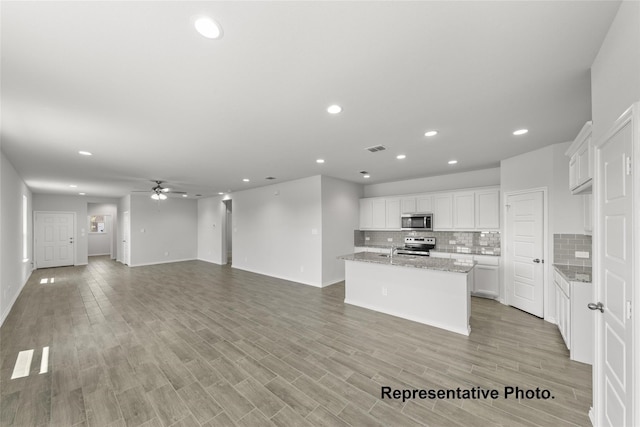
580, 163
408, 205
464, 210
443, 211
366, 214
424, 203
488, 209
393, 213
457, 210
379, 215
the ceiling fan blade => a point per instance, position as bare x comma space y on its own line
141, 191
178, 192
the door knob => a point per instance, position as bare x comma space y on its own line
537, 260
598, 306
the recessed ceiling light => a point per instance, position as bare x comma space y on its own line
85, 153
319, 160
401, 156
246, 179
184, 195
520, 131
82, 194
366, 176
453, 162
431, 133
73, 186
220, 193
208, 28
334, 109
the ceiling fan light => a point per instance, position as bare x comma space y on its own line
155, 196
162, 196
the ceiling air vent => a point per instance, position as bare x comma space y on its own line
270, 177
376, 148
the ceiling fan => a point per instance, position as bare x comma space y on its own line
158, 191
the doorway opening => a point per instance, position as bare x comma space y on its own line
102, 230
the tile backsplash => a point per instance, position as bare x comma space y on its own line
449, 240
565, 247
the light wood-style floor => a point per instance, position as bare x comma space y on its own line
195, 344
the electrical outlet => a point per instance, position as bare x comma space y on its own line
580, 254
389, 239
166, 253
302, 269
453, 242
367, 238
384, 291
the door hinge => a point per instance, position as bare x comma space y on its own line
628, 309
628, 165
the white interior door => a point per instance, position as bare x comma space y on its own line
525, 249
126, 232
54, 239
613, 368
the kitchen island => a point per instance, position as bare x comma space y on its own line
433, 291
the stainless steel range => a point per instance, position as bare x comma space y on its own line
417, 246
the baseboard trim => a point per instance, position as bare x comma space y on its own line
15, 298
315, 285
209, 261
162, 262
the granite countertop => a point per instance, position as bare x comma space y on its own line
472, 251
574, 273
440, 264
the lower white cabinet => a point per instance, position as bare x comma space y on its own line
486, 274
575, 320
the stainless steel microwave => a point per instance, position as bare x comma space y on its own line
418, 221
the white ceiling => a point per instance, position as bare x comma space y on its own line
134, 83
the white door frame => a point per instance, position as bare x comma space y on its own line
598, 399
75, 235
545, 248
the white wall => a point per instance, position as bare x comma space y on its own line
211, 229
455, 181
274, 230
101, 243
163, 231
615, 73
14, 271
340, 216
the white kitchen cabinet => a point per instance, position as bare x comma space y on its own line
408, 205
486, 273
379, 214
443, 211
460, 210
424, 203
464, 210
581, 162
366, 213
487, 276
587, 201
488, 209
575, 320
392, 214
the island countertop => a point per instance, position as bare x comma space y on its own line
440, 264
